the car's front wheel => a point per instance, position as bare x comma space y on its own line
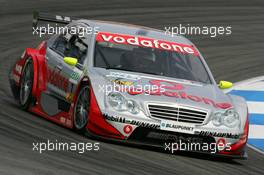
82, 108
25, 92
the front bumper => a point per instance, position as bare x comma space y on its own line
148, 133
143, 130
142, 138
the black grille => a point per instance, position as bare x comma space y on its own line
180, 114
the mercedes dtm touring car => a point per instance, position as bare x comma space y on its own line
130, 83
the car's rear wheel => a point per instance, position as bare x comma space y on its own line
82, 108
25, 92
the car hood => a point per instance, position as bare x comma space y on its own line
146, 88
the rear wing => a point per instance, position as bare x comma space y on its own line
42, 16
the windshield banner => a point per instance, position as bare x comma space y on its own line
145, 42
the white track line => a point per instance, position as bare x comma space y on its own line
244, 83
255, 149
256, 107
256, 132
255, 84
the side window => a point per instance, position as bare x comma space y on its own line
60, 45
77, 49
71, 46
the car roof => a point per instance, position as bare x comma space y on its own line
135, 30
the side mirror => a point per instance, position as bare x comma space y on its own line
70, 61
225, 84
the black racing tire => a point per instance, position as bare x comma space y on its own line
26, 84
81, 109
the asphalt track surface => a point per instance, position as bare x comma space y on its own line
235, 57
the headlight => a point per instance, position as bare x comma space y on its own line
132, 107
217, 119
229, 118
119, 103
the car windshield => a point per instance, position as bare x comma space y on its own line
150, 60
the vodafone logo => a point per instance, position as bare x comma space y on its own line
221, 141
176, 90
55, 78
145, 42
167, 84
221, 144
127, 129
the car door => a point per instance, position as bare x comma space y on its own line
77, 50
57, 83
52, 99
63, 78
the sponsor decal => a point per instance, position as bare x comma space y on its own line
68, 122
56, 79
172, 126
170, 91
69, 97
18, 68
75, 76
127, 129
131, 122
16, 78
217, 134
62, 120
221, 144
170, 85
123, 76
146, 42
122, 82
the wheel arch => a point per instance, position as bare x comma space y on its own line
39, 69
83, 82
